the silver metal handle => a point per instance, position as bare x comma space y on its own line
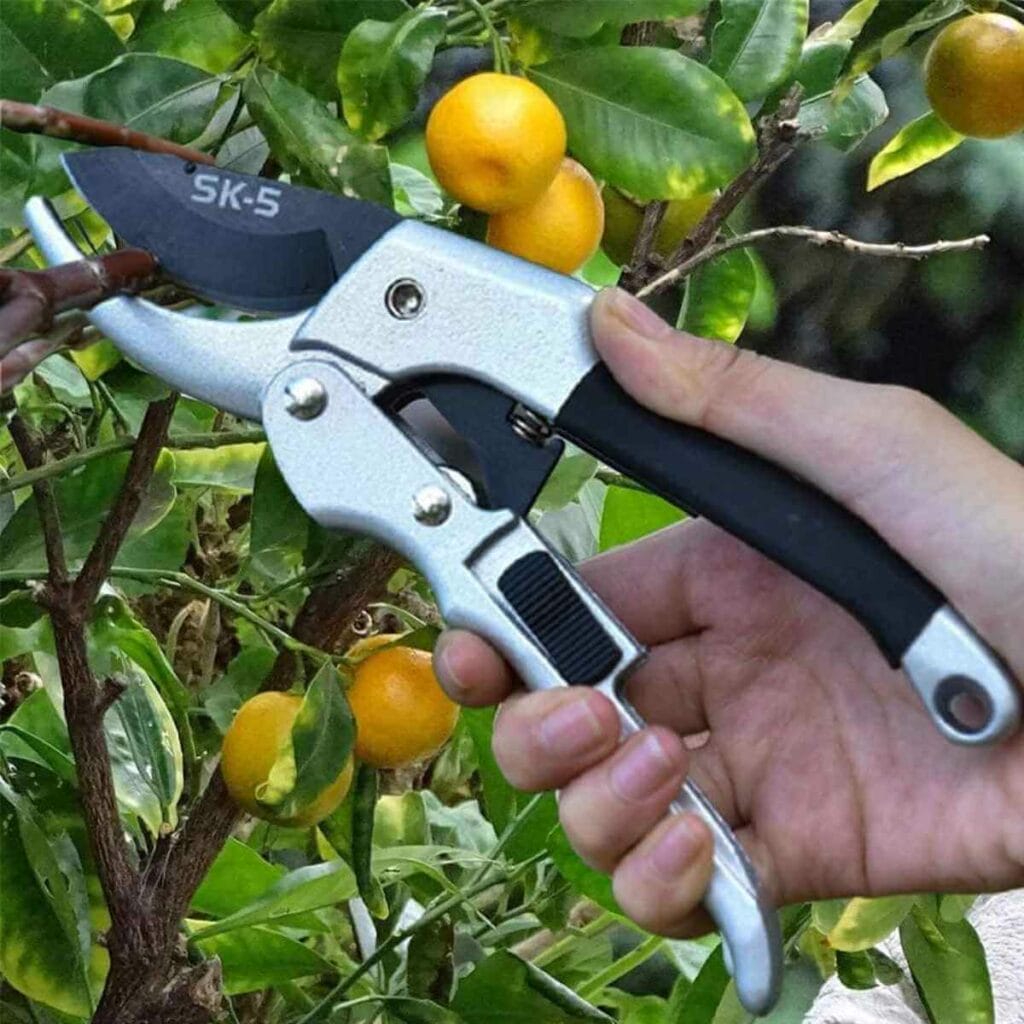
493, 574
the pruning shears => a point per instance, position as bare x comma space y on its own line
378, 313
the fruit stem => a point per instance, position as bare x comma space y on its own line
501, 59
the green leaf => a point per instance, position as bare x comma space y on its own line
196, 31
321, 741
650, 121
631, 514
855, 970
144, 744
416, 195
859, 924
383, 67
593, 884
581, 19
520, 993
420, 1011
153, 94
44, 918
94, 360
801, 984
919, 143
36, 732
842, 115
891, 26
245, 151
308, 888
364, 806
278, 520
756, 44
701, 1000
719, 295
253, 959
158, 95
947, 962
574, 470
887, 971
83, 499
302, 38
231, 467
311, 144
238, 876
46, 42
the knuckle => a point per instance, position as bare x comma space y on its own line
731, 378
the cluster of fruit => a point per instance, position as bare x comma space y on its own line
975, 76
497, 144
401, 713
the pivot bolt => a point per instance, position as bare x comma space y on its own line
431, 505
405, 299
306, 398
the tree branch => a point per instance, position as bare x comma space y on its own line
32, 119
152, 435
49, 516
823, 239
83, 709
29, 299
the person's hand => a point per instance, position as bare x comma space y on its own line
816, 752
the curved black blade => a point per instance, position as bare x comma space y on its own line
247, 242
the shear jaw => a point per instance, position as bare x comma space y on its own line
226, 363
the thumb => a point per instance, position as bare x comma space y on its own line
892, 456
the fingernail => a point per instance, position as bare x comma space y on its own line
677, 849
642, 768
446, 668
636, 315
572, 728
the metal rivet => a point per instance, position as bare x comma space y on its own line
306, 398
405, 299
431, 505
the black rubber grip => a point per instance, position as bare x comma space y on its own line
574, 641
780, 515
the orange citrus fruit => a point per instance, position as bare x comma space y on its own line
495, 141
402, 714
975, 76
259, 731
560, 230
623, 218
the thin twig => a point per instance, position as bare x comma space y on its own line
173, 579
33, 119
177, 442
152, 435
823, 239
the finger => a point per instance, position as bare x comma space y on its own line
894, 457
661, 882
608, 809
544, 740
470, 671
667, 689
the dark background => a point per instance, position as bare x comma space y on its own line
952, 326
